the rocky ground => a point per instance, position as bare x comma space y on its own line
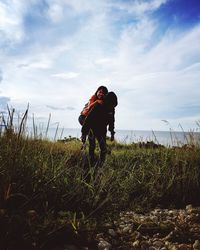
159, 229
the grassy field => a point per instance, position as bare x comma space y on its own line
45, 186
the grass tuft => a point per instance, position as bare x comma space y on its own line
55, 179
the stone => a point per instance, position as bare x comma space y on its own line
160, 229
171, 212
136, 243
112, 232
107, 225
158, 243
174, 248
196, 244
138, 235
32, 216
99, 236
184, 247
144, 245
104, 245
189, 208
126, 229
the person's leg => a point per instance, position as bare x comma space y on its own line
103, 147
92, 144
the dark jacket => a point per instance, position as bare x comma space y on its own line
98, 119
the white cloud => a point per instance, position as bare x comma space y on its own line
38, 64
1, 76
65, 76
154, 79
11, 17
80, 6
176, 50
55, 12
103, 61
138, 8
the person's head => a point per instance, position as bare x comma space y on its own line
101, 92
111, 99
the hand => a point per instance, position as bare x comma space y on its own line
112, 138
83, 138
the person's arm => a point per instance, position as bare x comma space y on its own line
111, 123
88, 105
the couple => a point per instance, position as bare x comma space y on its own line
97, 114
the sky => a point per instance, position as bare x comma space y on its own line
54, 54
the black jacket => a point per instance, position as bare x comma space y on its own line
98, 119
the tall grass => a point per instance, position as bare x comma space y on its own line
159, 175
50, 177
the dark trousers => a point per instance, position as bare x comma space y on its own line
101, 138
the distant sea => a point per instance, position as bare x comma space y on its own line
167, 138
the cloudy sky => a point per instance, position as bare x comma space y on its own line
55, 53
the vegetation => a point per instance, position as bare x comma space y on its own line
46, 186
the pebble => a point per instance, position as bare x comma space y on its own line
174, 248
189, 207
144, 245
112, 232
136, 243
125, 229
184, 247
162, 229
196, 244
158, 244
104, 245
